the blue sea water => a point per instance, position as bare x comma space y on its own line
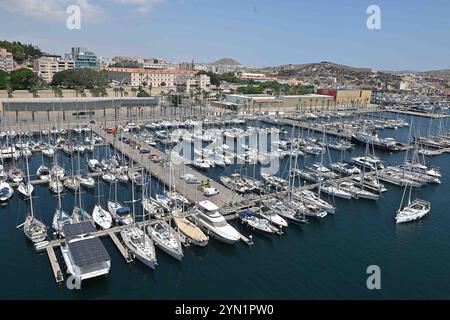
324, 259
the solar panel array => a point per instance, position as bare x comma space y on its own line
88, 251
75, 229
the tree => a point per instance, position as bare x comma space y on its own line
163, 84
87, 78
23, 79
34, 90
134, 91
142, 93
57, 92
116, 91
10, 91
21, 51
4, 80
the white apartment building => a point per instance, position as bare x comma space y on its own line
191, 82
6, 60
47, 67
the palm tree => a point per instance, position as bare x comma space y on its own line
10, 91
55, 91
116, 91
34, 90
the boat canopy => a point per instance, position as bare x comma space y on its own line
123, 211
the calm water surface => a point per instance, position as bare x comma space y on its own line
326, 258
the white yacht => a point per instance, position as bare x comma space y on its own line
72, 183
271, 216
55, 185
370, 163
309, 197
15, 175
109, 177
371, 183
257, 223
60, 218
48, 151
6, 191
87, 182
209, 218
101, 217
140, 244
58, 171
120, 213
356, 191
166, 238
414, 210
43, 173
26, 189
421, 168
334, 191
201, 164
33, 228
345, 168
285, 209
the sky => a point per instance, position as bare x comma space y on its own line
414, 34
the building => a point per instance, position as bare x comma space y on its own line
347, 96
158, 64
47, 66
105, 62
191, 82
187, 66
248, 103
6, 60
84, 58
157, 78
257, 77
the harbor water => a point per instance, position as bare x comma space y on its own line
324, 259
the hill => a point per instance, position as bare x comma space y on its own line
226, 62
329, 70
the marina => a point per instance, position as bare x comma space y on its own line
190, 153
243, 200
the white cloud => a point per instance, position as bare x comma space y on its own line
44, 10
143, 6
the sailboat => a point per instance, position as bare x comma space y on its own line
137, 241
101, 217
60, 217
34, 229
78, 212
165, 236
6, 191
120, 213
414, 209
72, 182
25, 187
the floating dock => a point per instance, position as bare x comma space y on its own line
54, 263
124, 251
